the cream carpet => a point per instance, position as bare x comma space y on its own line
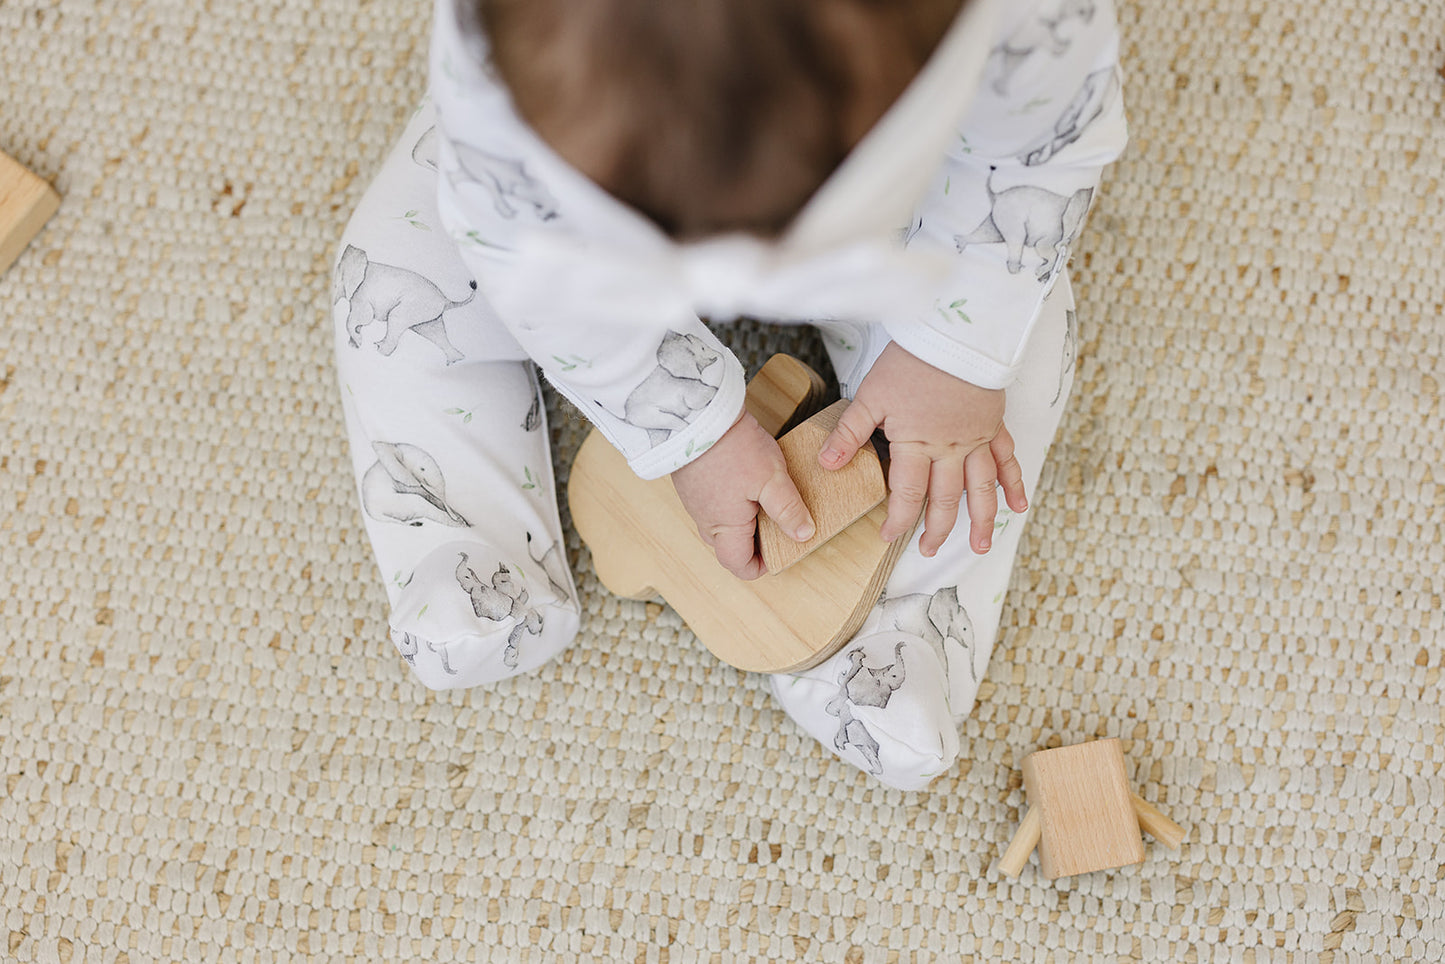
210, 751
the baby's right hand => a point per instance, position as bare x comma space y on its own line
724, 488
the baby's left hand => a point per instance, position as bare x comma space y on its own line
945, 437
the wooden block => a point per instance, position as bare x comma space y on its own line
836, 498
26, 203
783, 393
644, 545
1086, 812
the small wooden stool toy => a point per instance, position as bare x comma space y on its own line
815, 595
26, 203
1083, 815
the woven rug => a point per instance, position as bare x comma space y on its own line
209, 750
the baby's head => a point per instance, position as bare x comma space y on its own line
708, 116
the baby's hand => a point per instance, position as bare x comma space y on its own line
945, 437
724, 488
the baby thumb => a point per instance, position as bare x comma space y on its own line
783, 503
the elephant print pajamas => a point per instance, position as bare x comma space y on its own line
478, 256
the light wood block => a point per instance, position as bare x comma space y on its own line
783, 393
1087, 818
1082, 814
26, 203
836, 498
644, 545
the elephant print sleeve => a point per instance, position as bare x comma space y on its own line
1013, 192
538, 236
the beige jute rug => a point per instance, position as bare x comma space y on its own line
209, 751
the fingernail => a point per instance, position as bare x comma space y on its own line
804, 532
831, 456
983, 546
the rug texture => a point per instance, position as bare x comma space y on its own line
209, 750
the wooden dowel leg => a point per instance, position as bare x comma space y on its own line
1023, 843
1158, 826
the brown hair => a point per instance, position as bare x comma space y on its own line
708, 115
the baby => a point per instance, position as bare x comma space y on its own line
589, 186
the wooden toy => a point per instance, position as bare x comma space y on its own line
26, 203
836, 498
1083, 816
645, 545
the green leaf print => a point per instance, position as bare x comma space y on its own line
954, 311
466, 415
412, 217
571, 362
1002, 519
474, 237
695, 448
1034, 104
530, 482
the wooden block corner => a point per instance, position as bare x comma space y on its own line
26, 203
836, 498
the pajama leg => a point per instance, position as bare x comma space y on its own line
890, 701
448, 442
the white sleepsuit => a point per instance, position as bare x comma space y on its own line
478, 255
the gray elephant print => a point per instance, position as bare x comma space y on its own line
1031, 217
405, 485
507, 180
907, 234
552, 563
673, 392
409, 645
500, 599
399, 299
1051, 33
933, 618
1099, 90
425, 152
1071, 352
860, 685
533, 419
406, 644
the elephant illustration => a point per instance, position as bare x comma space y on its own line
552, 563
907, 234
933, 618
406, 644
507, 180
860, 685
674, 391
500, 599
409, 645
425, 152
1099, 90
1050, 33
1071, 352
533, 419
1031, 217
405, 485
400, 299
